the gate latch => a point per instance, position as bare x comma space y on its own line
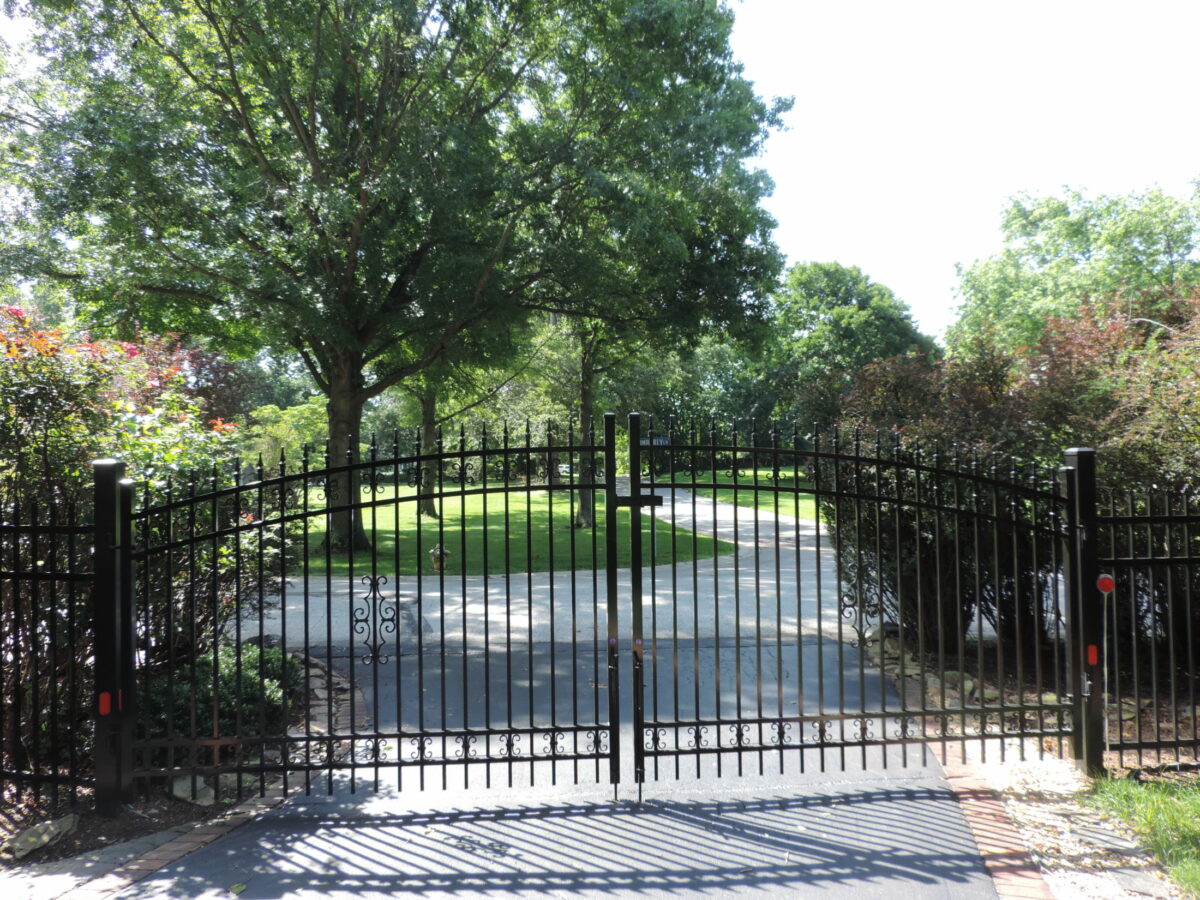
641, 500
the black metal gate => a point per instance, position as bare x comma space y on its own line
510, 608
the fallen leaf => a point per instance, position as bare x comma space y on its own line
236, 888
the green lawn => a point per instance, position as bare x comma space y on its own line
765, 497
1166, 817
538, 531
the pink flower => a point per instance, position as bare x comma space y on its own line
15, 311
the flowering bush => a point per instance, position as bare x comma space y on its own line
64, 403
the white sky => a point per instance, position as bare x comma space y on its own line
915, 121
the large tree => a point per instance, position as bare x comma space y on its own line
360, 182
1136, 253
830, 321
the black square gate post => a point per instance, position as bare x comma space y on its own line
1085, 612
112, 630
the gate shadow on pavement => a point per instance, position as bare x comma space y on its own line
836, 840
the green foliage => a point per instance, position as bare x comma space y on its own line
1138, 252
1165, 815
247, 691
63, 404
273, 432
366, 183
829, 322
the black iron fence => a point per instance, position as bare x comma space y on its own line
1149, 545
505, 607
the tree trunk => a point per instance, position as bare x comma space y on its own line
429, 446
585, 512
344, 410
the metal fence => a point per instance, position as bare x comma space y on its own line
1149, 544
502, 608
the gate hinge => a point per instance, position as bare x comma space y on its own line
641, 500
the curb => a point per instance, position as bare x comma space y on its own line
1014, 873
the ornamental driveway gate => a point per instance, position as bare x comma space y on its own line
514, 608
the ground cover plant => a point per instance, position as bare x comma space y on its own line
1165, 815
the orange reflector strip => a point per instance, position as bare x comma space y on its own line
1093, 655
105, 703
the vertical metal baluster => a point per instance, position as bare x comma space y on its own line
439, 463
487, 603
716, 553
696, 716
903, 679
73, 638
976, 512
34, 647
737, 600
939, 475
529, 477
997, 586
418, 491
674, 588
820, 596
635, 567
573, 562
635, 513
839, 569
1039, 626
1019, 648
1190, 557
779, 727
396, 573
375, 598
551, 477
860, 630
800, 705
306, 573
462, 549
239, 725
920, 598
878, 469
508, 612
611, 599
590, 438
756, 496
1170, 550
327, 479
215, 540
1156, 580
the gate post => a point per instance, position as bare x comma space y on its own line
1085, 612
112, 624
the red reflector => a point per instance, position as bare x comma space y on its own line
1106, 583
1093, 655
105, 703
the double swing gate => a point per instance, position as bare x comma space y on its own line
516, 608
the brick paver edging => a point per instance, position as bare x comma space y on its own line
1014, 873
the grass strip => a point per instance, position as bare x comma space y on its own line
1165, 815
539, 536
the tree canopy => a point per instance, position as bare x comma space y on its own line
360, 183
1059, 252
830, 321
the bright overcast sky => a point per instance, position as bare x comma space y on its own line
915, 121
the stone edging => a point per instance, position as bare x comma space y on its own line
104, 887
1014, 873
